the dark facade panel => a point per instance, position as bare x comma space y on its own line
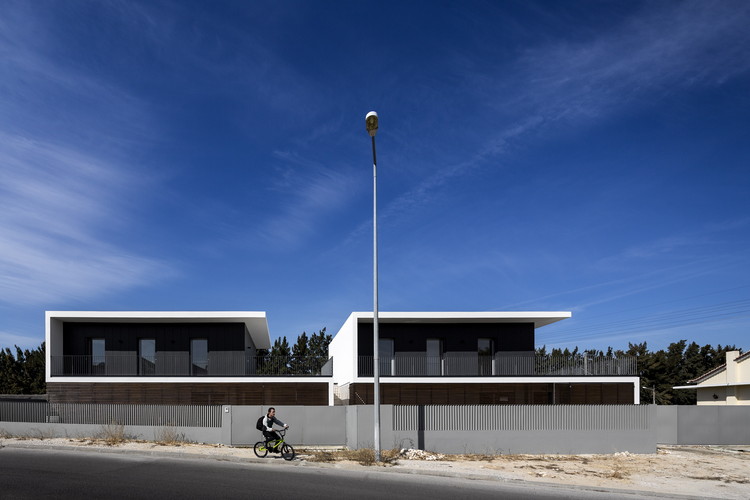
119, 337
456, 337
282, 393
519, 394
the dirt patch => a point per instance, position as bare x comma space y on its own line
718, 472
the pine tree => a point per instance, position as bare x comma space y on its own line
300, 362
279, 357
22, 373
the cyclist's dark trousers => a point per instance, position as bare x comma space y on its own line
270, 436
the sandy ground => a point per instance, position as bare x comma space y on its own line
697, 471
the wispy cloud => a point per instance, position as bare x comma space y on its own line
664, 48
65, 138
306, 191
54, 205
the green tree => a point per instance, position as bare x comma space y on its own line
22, 373
279, 357
318, 344
300, 362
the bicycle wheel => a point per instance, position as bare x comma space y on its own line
287, 452
260, 449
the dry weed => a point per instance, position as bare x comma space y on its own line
112, 434
42, 434
363, 456
168, 436
323, 456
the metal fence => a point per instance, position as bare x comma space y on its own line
520, 417
178, 364
105, 414
467, 364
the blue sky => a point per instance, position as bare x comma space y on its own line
590, 157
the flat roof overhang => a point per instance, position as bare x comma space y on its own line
711, 386
255, 321
539, 318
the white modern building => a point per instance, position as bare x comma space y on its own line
221, 358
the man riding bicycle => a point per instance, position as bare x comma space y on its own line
268, 422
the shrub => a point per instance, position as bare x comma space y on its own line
168, 436
112, 434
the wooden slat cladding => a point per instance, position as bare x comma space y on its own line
282, 393
519, 394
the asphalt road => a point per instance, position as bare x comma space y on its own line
58, 474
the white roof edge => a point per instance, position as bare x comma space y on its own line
539, 318
255, 321
709, 386
154, 314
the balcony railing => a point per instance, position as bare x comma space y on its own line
178, 364
469, 364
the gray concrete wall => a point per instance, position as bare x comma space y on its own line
499, 441
80, 431
707, 425
308, 425
352, 426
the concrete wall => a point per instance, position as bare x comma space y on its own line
703, 425
147, 433
520, 429
499, 441
308, 425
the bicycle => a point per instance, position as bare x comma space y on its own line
275, 446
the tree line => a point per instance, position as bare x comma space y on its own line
306, 357
22, 371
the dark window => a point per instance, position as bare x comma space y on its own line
199, 356
385, 353
147, 356
434, 357
97, 355
486, 351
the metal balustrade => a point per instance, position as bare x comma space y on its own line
471, 364
177, 364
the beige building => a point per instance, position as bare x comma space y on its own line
728, 384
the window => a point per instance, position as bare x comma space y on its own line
385, 353
96, 353
147, 356
434, 356
486, 351
199, 356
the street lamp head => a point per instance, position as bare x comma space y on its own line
371, 123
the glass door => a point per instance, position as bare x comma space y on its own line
387, 358
434, 362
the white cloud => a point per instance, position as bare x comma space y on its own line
306, 192
665, 47
54, 204
66, 141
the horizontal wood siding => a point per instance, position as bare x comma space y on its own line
518, 394
282, 393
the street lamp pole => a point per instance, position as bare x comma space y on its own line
371, 124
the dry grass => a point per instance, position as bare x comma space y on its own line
112, 434
43, 434
363, 456
470, 457
5, 434
169, 436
